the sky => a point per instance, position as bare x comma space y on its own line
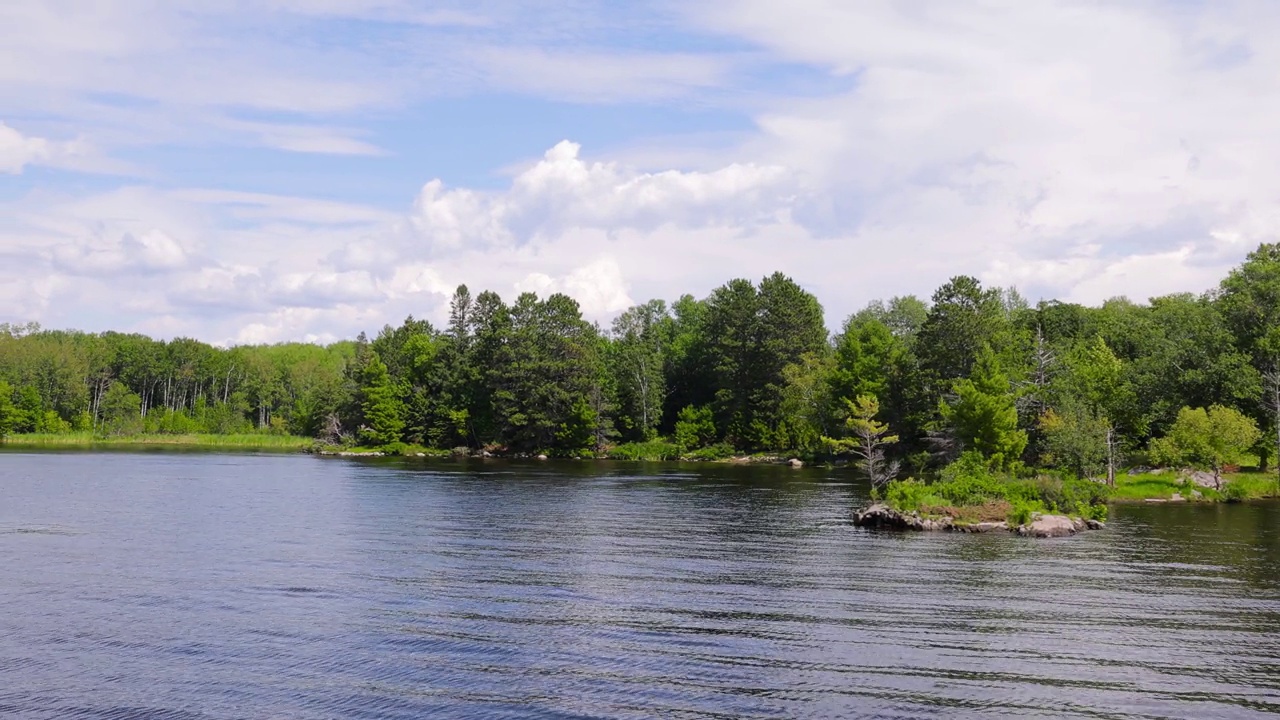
246, 171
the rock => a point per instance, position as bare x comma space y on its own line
1177, 497
1094, 524
542, 457
1203, 479
419, 454
796, 463
1048, 526
883, 516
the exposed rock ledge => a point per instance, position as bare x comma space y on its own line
883, 516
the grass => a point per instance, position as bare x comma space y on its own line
969, 491
653, 450
1147, 486
402, 449
247, 441
1248, 485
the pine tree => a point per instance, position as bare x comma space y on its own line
983, 415
870, 437
380, 404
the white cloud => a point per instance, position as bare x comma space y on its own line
18, 150
599, 287
150, 252
1006, 139
1078, 150
562, 191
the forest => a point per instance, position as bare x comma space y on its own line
905, 386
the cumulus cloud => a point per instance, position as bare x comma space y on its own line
562, 191
599, 287
150, 252
1016, 142
996, 139
18, 151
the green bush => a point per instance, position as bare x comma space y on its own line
906, 495
695, 427
970, 481
1235, 492
1021, 514
653, 450
394, 448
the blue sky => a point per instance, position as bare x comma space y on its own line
304, 169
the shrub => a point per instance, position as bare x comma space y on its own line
1235, 492
394, 448
970, 482
658, 449
906, 495
695, 428
1020, 514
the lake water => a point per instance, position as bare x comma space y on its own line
176, 587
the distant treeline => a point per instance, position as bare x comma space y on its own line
750, 368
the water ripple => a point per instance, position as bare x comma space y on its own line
153, 586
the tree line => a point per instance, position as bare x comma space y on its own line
907, 383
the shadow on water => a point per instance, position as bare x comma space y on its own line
253, 586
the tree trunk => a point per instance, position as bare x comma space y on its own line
1111, 457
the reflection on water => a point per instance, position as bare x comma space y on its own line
225, 586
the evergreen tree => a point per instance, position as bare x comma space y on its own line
379, 404
983, 415
869, 438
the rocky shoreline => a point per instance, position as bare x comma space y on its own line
1041, 525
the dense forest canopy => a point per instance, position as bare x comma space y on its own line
750, 368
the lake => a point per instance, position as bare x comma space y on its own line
186, 586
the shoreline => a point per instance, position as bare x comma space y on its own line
191, 441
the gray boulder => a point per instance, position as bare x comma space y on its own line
1050, 526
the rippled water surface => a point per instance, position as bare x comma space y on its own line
237, 586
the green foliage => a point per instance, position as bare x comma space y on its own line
638, 362
869, 439
806, 407
749, 337
1021, 514
911, 495
380, 405
650, 450
695, 428
1235, 492
866, 354
1206, 439
718, 451
249, 441
983, 415
964, 318
121, 411
970, 482
7, 411
749, 366
1075, 439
